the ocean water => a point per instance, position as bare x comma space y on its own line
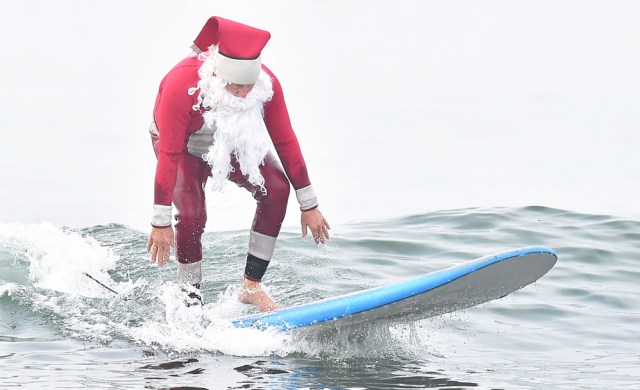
576, 328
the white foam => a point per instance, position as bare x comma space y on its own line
208, 328
58, 258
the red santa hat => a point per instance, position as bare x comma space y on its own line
237, 56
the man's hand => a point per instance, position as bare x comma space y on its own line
314, 221
160, 242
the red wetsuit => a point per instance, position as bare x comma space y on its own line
180, 176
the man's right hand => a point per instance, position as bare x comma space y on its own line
160, 242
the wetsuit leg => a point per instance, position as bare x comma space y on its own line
189, 201
191, 212
270, 212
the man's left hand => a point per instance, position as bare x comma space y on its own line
314, 221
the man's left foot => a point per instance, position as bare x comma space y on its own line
252, 293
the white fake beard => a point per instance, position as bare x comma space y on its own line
238, 123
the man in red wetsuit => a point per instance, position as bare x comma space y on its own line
216, 114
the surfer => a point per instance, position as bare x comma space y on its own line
215, 116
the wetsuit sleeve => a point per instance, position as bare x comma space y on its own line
276, 118
172, 113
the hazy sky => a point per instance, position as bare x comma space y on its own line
400, 106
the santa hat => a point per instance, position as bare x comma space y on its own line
237, 55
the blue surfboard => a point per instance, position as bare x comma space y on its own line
458, 287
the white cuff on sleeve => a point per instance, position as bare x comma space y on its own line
307, 198
161, 215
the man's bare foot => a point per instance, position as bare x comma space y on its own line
252, 293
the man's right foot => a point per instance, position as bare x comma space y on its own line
194, 298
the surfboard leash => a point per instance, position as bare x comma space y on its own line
100, 283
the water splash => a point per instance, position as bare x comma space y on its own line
57, 258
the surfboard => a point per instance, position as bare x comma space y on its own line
458, 287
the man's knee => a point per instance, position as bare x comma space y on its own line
194, 216
278, 190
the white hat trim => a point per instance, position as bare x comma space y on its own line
237, 71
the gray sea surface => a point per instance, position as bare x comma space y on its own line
576, 328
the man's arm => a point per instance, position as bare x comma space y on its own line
172, 114
278, 123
